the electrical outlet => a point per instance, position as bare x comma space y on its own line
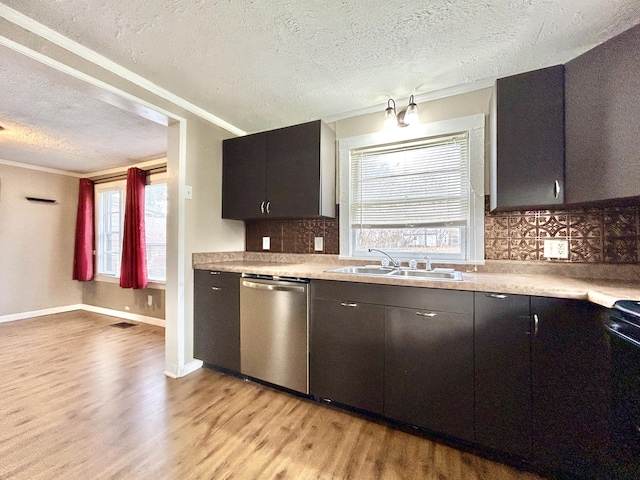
266, 243
318, 244
556, 248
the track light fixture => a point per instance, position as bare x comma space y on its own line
406, 117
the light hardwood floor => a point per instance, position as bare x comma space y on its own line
81, 399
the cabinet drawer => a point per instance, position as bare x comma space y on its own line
214, 278
441, 300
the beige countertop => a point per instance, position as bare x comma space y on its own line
503, 278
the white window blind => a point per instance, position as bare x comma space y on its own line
413, 184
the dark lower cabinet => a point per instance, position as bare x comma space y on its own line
348, 353
428, 375
570, 384
503, 413
216, 336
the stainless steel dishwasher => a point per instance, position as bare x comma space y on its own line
274, 326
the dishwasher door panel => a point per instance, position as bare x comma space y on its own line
274, 332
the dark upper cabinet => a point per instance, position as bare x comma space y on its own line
216, 336
428, 375
602, 118
528, 140
283, 173
502, 347
348, 353
570, 384
244, 176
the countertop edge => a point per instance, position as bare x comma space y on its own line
601, 292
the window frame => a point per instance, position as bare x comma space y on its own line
472, 233
152, 179
100, 188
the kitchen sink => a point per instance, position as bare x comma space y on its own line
428, 274
373, 270
366, 270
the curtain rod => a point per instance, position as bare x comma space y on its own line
123, 175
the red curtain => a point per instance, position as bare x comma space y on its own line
84, 245
133, 268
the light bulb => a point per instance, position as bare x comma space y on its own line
411, 114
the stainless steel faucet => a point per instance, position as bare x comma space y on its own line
396, 263
427, 263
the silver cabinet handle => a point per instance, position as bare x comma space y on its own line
536, 321
347, 304
214, 273
262, 207
499, 296
556, 189
216, 288
426, 314
268, 207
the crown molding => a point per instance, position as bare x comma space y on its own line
28, 166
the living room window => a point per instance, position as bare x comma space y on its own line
421, 194
110, 202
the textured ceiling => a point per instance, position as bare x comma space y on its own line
264, 64
52, 120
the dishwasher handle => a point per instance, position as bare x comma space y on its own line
275, 288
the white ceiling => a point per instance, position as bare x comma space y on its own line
265, 64
53, 120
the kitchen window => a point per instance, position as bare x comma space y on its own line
110, 202
418, 193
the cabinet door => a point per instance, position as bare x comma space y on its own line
216, 338
602, 115
293, 170
244, 174
429, 370
530, 139
570, 384
348, 353
503, 372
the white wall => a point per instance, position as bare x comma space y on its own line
206, 230
37, 241
455, 106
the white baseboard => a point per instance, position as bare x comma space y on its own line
89, 308
126, 315
39, 313
173, 371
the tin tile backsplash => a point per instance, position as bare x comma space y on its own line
293, 236
604, 234
607, 234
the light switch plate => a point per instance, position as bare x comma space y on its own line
556, 248
188, 192
266, 243
318, 244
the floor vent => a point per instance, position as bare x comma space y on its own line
123, 325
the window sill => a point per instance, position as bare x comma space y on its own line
109, 279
